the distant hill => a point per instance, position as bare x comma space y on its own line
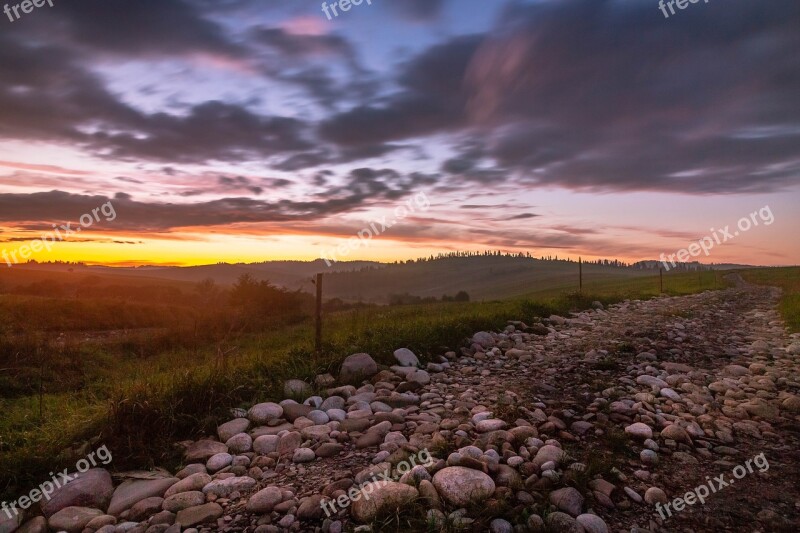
483, 277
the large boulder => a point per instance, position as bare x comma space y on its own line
132, 491
381, 497
406, 357
484, 339
358, 367
92, 488
463, 486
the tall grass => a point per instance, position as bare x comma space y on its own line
140, 407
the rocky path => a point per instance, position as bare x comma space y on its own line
595, 422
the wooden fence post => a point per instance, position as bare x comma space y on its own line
661, 279
318, 316
580, 275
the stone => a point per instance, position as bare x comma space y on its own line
329, 449
224, 487
201, 514
498, 525
639, 431
289, 442
183, 500
358, 367
295, 388
676, 433
655, 495
293, 411
568, 500
318, 417
491, 424
219, 461
378, 498
311, 508
263, 413
135, 490
648, 457
266, 444
241, 443
303, 455
92, 488
202, 450
483, 339
406, 357
559, 522
193, 482
592, 523
792, 404
234, 427
652, 382
463, 486
762, 409
145, 508
73, 519
546, 454
265, 500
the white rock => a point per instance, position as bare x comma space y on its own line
406, 357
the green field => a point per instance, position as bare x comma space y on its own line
140, 396
788, 278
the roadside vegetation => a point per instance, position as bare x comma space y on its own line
787, 278
173, 369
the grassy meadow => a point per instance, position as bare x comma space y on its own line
140, 376
787, 278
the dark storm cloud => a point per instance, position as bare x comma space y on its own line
432, 100
598, 95
361, 188
606, 95
46, 94
144, 27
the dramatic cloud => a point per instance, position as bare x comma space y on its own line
604, 95
432, 100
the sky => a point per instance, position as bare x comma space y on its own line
254, 130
